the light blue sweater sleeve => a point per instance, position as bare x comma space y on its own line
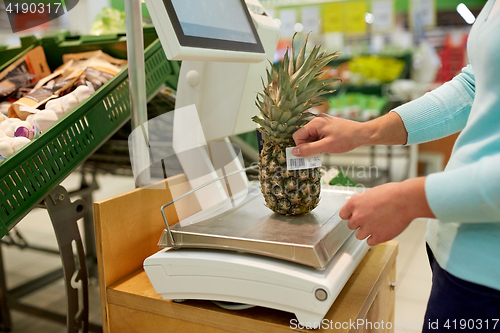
470, 193
441, 112
467, 193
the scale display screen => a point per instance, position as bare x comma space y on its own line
219, 24
220, 19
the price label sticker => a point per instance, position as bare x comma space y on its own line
298, 163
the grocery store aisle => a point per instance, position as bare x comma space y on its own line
413, 273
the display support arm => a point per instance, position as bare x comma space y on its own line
137, 88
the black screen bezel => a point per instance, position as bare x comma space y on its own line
213, 43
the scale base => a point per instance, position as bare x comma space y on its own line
257, 280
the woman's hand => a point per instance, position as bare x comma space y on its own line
327, 134
385, 211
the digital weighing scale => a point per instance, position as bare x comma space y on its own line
242, 253
250, 255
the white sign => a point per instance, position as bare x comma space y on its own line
310, 19
383, 15
423, 12
288, 20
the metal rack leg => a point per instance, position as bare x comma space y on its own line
88, 225
64, 215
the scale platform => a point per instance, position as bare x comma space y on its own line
310, 239
297, 264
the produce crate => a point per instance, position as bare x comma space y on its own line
112, 44
9, 54
28, 176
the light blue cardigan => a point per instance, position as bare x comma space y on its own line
466, 197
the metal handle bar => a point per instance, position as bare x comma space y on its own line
171, 236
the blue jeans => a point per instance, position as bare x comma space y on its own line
456, 305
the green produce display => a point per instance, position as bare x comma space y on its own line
342, 180
356, 106
375, 70
32, 172
108, 21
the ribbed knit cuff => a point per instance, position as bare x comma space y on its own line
416, 116
441, 112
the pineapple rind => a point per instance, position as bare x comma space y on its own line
287, 192
292, 88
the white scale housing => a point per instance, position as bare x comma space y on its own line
252, 279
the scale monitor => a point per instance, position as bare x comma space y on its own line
212, 30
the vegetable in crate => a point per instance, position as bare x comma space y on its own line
23, 73
94, 67
54, 96
292, 89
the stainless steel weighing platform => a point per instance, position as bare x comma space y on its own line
310, 239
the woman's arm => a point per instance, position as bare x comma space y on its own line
437, 114
383, 212
441, 112
327, 134
469, 194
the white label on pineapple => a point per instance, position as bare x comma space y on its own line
298, 163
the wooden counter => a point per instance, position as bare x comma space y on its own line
128, 227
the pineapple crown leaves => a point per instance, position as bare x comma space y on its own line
293, 86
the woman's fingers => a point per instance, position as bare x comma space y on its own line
345, 212
306, 134
310, 148
362, 233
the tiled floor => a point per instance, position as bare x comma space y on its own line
413, 278
413, 273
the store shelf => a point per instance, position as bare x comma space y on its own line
29, 175
372, 89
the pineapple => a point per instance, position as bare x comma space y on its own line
292, 89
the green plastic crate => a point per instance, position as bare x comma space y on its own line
10, 54
28, 176
112, 44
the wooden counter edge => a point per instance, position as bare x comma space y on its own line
234, 321
387, 267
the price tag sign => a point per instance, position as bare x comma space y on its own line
299, 163
383, 12
355, 17
310, 19
423, 12
332, 17
288, 20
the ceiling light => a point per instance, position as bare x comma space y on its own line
466, 13
369, 18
